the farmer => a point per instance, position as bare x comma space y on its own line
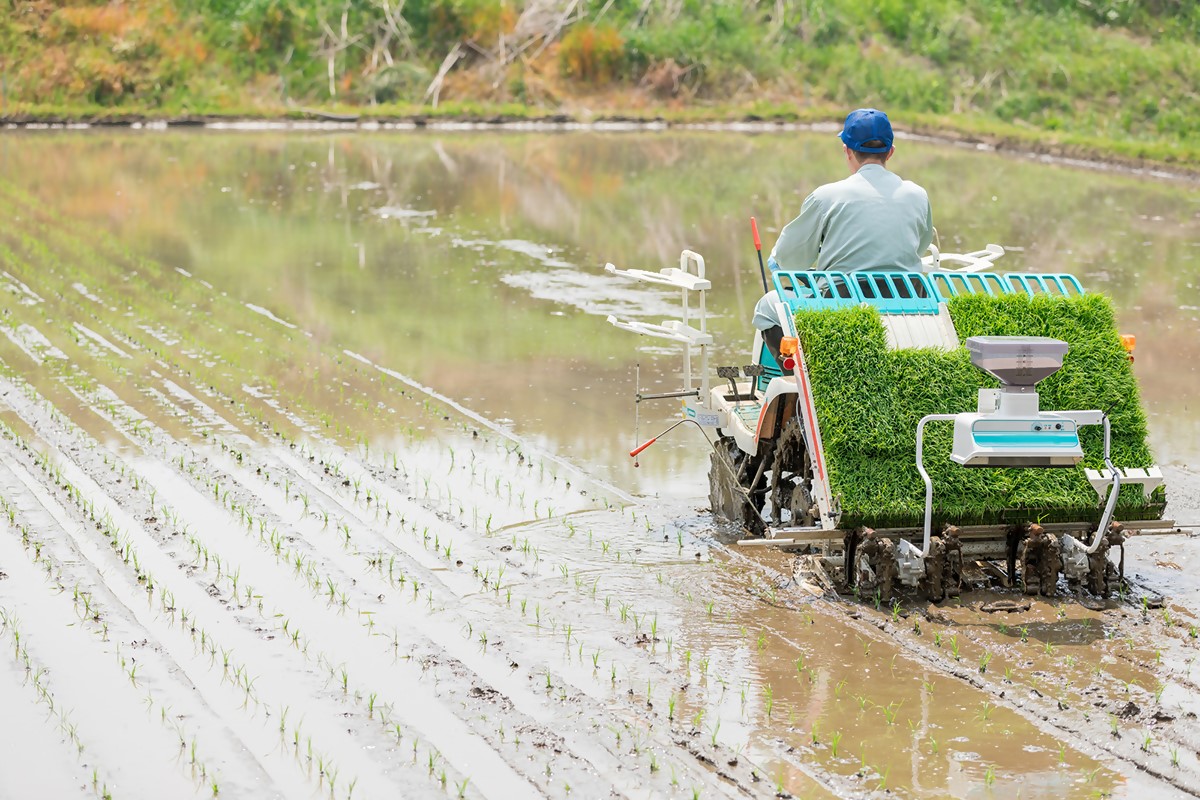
871, 220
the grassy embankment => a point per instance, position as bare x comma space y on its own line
1114, 78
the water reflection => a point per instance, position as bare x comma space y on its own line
473, 261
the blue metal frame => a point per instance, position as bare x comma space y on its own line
1057, 284
891, 291
771, 368
901, 292
815, 291
951, 284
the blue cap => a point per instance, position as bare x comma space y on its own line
864, 125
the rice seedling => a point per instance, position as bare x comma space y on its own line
849, 366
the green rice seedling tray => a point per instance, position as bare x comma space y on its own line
869, 399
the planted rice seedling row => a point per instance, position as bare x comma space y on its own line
231, 670
211, 647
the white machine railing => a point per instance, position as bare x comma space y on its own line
681, 331
976, 261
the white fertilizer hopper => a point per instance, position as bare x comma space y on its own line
1009, 430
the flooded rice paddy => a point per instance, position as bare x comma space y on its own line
313, 483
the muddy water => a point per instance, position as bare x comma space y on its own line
473, 262
329, 431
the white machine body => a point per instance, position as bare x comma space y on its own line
1009, 429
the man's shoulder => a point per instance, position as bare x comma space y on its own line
915, 188
867, 183
906, 187
835, 189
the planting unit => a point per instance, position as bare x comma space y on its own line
919, 427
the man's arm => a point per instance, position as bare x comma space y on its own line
800, 240
927, 233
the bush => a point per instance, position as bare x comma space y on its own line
593, 54
400, 81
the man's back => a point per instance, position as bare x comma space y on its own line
871, 220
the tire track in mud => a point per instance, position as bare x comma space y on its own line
1039, 702
1070, 712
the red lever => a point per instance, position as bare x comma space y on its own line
754, 228
642, 447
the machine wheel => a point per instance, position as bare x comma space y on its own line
726, 494
791, 476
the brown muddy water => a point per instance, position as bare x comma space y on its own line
314, 484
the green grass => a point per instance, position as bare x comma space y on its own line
869, 400
1105, 76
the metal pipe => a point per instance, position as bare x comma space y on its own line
925, 475
634, 452
762, 469
1111, 505
639, 397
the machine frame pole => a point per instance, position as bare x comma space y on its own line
1080, 418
